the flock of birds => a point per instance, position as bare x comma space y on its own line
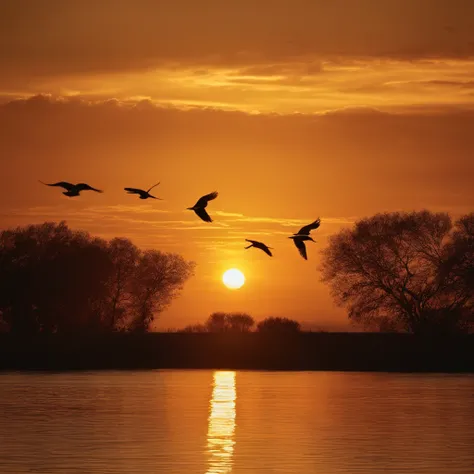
299, 239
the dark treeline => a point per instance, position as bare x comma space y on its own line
56, 280
220, 322
232, 350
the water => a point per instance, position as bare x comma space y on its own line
240, 422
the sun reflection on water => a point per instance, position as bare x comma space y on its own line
220, 434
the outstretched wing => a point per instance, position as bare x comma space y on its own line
301, 247
86, 187
308, 228
260, 245
134, 190
201, 212
202, 202
154, 186
266, 250
62, 184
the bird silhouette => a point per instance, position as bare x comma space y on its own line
200, 207
259, 245
142, 193
303, 235
73, 190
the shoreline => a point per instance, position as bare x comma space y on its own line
350, 352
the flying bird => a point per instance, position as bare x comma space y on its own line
200, 207
303, 235
259, 245
305, 230
142, 193
73, 190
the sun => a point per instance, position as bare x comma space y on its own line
233, 278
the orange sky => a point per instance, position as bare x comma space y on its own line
290, 109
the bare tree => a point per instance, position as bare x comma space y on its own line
391, 271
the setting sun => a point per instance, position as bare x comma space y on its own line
233, 278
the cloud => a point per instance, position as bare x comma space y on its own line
286, 62
294, 87
272, 171
143, 35
285, 222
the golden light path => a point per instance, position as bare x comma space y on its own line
220, 434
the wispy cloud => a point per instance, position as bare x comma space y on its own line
147, 224
285, 222
289, 87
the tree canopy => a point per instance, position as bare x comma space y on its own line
54, 279
224, 322
405, 272
279, 325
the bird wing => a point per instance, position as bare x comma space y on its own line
266, 250
86, 187
308, 228
260, 245
201, 212
202, 202
154, 186
301, 247
62, 184
134, 190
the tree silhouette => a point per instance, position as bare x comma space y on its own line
55, 279
240, 322
125, 256
157, 279
229, 322
284, 325
404, 272
51, 277
195, 328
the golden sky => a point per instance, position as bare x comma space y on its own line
291, 109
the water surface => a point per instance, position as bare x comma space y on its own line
236, 422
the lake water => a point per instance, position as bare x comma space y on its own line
236, 422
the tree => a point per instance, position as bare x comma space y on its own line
51, 277
54, 279
456, 273
240, 322
229, 322
404, 272
125, 256
279, 325
157, 279
195, 328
